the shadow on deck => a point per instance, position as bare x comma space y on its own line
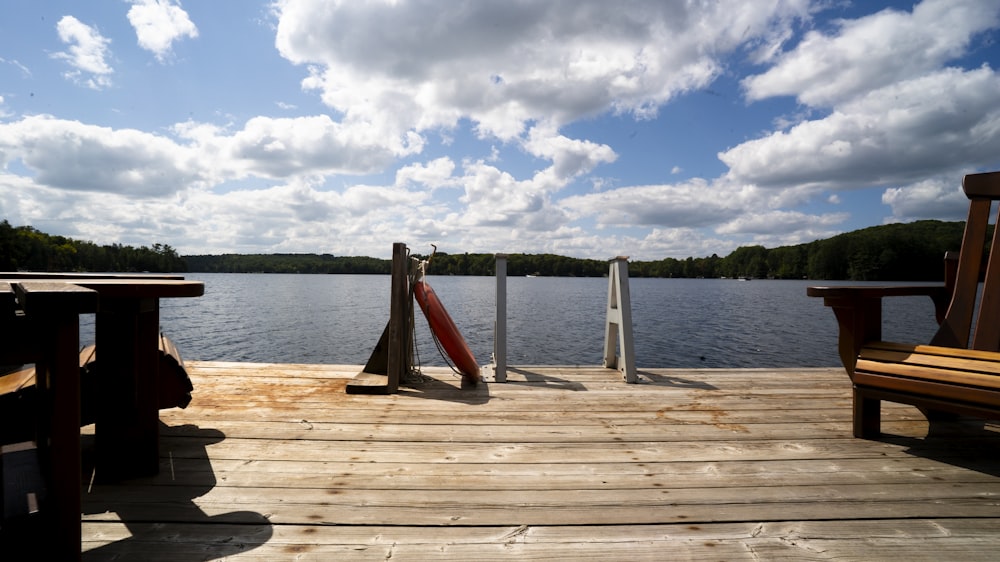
278, 462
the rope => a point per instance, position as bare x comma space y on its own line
421, 267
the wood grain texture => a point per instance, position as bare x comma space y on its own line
278, 462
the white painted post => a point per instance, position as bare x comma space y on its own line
499, 364
618, 327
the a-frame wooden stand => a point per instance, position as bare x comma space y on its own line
618, 326
392, 356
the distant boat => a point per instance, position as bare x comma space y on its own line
535, 274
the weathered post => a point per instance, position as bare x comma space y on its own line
391, 359
499, 364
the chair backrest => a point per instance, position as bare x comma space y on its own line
957, 328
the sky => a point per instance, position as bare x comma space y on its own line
585, 128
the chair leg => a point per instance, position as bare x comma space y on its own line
867, 415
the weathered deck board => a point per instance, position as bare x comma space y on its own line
273, 462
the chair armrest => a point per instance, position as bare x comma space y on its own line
859, 312
875, 291
939, 294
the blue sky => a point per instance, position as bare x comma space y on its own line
583, 128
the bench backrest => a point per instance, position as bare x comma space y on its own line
957, 328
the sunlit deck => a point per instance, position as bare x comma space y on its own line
277, 462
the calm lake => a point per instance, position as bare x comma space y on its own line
687, 323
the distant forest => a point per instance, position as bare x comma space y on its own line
24, 248
895, 252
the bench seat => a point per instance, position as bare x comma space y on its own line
950, 379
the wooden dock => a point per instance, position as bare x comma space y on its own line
278, 462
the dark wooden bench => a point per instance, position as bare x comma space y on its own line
958, 373
18, 392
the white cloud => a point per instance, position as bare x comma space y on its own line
420, 65
874, 52
934, 198
158, 24
25, 71
948, 119
692, 204
435, 174
283, 147
495, 197
570, 158
778, 222
87, 54
75, 156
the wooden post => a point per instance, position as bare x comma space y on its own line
618, 327
391, 358
499, 365
127, 424
399, 322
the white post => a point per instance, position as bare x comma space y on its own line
499, 364
618, 327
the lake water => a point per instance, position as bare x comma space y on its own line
687, 323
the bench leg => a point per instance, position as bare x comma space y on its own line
867, 415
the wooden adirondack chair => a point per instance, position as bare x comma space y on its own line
959, 372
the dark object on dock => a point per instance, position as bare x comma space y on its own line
17, 404
959, 372
17, 391
173, 385
22, 495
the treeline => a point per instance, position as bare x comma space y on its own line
441, 264
24, 248
896, 252
287, 263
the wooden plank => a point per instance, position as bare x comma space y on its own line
944, 374
929, 349
986, 366
456, 506
710, 429
740, 541
928, 387
563, 476
563, 464
679, 412
531, 453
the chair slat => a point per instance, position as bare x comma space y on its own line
957, 325
987, 334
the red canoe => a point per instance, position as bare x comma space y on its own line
447, 333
